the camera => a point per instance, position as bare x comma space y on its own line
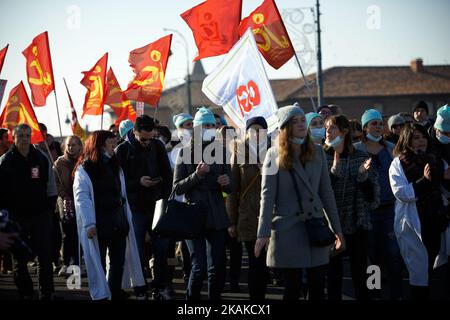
19, 249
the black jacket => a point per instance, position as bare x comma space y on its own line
24, 182
205, 190
136, 162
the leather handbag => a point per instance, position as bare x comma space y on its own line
181, 220
319, 233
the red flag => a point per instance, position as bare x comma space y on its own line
18, 110
270, 33
2, 56
123, 109
76, 127
149, 64
39, 69
215, 25
95, 82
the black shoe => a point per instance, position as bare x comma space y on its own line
47, 296
162, 294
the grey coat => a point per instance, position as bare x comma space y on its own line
204, 189
282, 220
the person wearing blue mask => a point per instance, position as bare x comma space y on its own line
440, 139
314, 123
297, 191
203, 181
382, 246
356, 190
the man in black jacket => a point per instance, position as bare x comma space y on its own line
24, 175
148, 178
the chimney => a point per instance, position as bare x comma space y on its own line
417, 65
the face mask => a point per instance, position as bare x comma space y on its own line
162, 140
334, 143
442, 138
372, 138
208, 134
184, 135
298, 141
318, 133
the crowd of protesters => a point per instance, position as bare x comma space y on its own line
382, 186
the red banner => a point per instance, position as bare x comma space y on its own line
270, 33
2, 56
19, 110
149, 64
39, 69
95, 82
215, 25
123, 109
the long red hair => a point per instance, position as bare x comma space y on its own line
93, 149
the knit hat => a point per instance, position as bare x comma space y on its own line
223, 120
287, 113
181, 118
442, 122
256, 120
204, 116
124, 127
369, 115
309, 116
420, 104
395, 119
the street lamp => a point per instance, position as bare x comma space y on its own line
188, 80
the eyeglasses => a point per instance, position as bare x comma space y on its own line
399, 125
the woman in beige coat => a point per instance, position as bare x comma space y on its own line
281, 227
243, 202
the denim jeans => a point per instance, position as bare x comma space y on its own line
142, 223
384, 250
207, 256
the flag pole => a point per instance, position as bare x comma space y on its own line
306, 83
298, 61
101, 125
54, 83
156, 110
57, 112
51, 159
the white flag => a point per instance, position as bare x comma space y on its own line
240, 84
